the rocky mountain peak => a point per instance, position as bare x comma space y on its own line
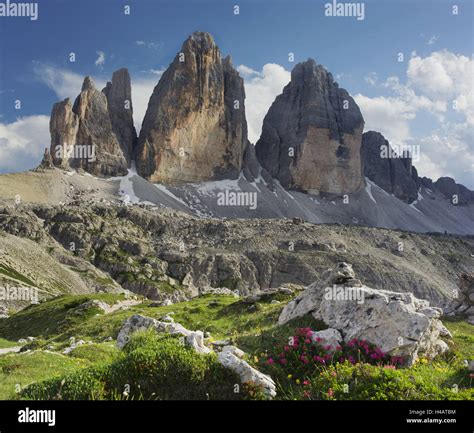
88, 84
82, 136
119, 101
311, 135
195, 127
200, 41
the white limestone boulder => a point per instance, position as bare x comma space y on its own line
398, 323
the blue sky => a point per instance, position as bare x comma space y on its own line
410, 102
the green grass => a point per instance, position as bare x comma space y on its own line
463, 336
49, 318
97, 352
17, 370
151, 367
7, 343
154, 363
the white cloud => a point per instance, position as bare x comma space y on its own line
432, 84
371, 79
448, 151
441, 75
64, 83
100, 58
432, 40
261, 89
446, 77
390, 116
153, 45
22, 143
142, 88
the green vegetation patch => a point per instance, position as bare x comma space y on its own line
152, 367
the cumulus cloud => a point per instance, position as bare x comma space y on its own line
441, 75
371, 79
64, 83
100, 58
390, 116
153, 45
445, 77
436, 84
261, 89
448, 151
22, 143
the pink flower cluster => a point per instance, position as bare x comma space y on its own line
303, 353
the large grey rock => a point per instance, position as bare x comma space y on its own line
398, 323
232, 358
194, 128
394, 175
82, 135
312, 134
119, 99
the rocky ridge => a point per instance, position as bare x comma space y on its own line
170, 256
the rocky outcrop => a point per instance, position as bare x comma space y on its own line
396, 175
312, 134
82, 136
119, 100
194, 128
455, 192
230, 357
463, 304
195, 339
398, 323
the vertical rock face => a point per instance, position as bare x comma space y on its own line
312, 134
82, 135
63, 126
395, 175
119, 100
194, 128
